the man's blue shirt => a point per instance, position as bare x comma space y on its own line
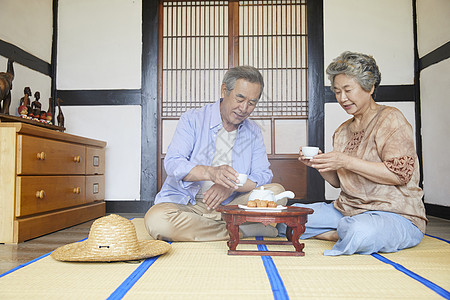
194, 144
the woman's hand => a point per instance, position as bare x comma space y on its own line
216, 195
323, 166
328, 164
303, 159
331, 161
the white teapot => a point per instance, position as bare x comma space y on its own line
268, 195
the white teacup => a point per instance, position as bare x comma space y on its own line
242, 179
309, 152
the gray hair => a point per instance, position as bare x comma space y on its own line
363, 68
247, 73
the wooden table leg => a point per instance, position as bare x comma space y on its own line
233, 230
297, 231
289, 233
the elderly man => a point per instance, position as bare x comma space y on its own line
210, 147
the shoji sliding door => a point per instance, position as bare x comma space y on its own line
200, 40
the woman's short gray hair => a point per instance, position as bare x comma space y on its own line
247, 73
363, 68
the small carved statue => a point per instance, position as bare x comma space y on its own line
24, 103
36, 105
6, 79
60, 116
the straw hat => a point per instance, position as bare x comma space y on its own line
111, 238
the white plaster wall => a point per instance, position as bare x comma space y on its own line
381, 28
99, 44
433, 24
120, 127
433, 31
335, 116
24, 77
435, 110
99, 47
28, 24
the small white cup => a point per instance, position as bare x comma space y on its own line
309, 152
242, 179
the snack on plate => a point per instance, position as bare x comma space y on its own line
251, 203
261, 203
271, 204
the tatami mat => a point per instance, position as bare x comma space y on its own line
345, 277
205, 271
50, 279
430, 259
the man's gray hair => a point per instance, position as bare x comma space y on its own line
247, 73
363, 68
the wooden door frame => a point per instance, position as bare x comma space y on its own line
316, 94
315, 56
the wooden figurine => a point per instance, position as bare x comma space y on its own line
36, 105
60, 116
24, 103
6, 79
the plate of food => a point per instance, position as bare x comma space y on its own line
262, 205
279, 208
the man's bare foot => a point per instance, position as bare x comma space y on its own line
328, 236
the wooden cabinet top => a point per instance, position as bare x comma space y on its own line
27, 129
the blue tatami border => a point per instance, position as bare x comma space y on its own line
30, 262
438, 238
128, 283
278, 289
434, 287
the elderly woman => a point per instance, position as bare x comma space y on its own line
374, 163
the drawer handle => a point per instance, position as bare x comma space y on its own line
40, 194
76, 190
76, 159
41, 155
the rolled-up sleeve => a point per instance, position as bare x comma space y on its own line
395, 145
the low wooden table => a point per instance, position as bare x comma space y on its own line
294, 217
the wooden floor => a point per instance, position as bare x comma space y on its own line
12, 255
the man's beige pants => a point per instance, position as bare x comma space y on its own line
179, 222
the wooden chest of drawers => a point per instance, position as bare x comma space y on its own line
49, 180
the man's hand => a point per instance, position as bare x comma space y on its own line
223, 175
216, 195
